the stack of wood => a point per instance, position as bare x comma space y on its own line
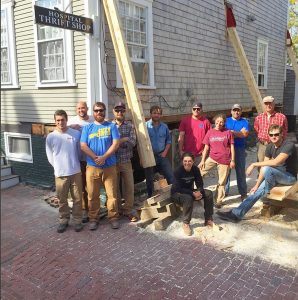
280, 197
159, 209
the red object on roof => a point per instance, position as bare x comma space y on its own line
231, 22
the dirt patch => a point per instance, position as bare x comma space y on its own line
274, 239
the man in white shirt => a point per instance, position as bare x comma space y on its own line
63, 152
78, 122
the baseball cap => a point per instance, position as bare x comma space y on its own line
268, 99
237, 106
120, 104
198, 104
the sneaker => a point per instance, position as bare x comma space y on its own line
132, 218
115, 224
187, 229
78, 227
85, 218
209, 223
62, 227
228, 216
93, 225
218, 205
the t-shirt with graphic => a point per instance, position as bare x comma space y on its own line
220, 145
195, 131
237, 125
287, 147
99, 138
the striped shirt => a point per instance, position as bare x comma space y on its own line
263, 122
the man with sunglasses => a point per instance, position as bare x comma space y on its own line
239, 128
99, 141
192, 131
278, 168
263, 122
124, 166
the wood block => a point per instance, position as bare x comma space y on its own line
154, 213
281, 192
163, 222
164, 193
143, 224
270, 210
161, 203
37, 129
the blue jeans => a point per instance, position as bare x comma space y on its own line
240, 172
272, 178
164, 167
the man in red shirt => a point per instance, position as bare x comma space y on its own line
192, 131
263, 122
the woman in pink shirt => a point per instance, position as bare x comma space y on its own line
219, 143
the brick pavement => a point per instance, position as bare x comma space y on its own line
129, 263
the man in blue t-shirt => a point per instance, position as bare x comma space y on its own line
239, 128
100, 140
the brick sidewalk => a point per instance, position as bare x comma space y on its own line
129, 263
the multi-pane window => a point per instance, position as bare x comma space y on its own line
8, 49
51, 50
262, 63
137, 29
5, 67
55, 50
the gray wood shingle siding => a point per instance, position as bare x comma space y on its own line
193, 55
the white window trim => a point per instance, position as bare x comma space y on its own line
17, 157
119, 84
266, 64
12, 55
68, 58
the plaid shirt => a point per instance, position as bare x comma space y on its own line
125, 150
262, 124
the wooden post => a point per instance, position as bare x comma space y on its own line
129, 84
246, 69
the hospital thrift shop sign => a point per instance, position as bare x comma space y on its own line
57, 18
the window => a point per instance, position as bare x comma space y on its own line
136, 18
8, 49
18, 147
54, 48
262, 64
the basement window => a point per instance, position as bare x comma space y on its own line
18, 147
136, 20
262, 64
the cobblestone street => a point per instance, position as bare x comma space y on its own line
129, 263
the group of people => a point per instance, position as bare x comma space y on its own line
88, 152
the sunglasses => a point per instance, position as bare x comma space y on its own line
120, 110
236, 109
274, 134
196, 108
98, 110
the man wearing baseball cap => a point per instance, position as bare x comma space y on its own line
263, 122
239, 127
124, 167
192, 131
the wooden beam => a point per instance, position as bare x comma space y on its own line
129, 83
245, 67
281, 192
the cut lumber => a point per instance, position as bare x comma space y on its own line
162, 183
154, 213
281, 192
129, 83
163, 222
269, 211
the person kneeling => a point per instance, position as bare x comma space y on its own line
183, 193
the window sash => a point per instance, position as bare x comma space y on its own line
5, 55
262, 64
